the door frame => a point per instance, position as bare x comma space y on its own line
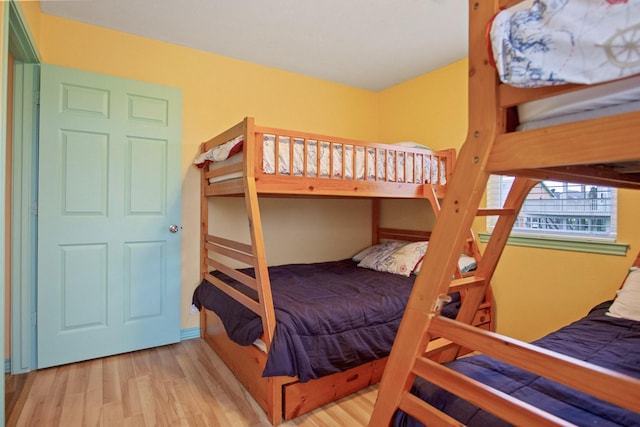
23, 201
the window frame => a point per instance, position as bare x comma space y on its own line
571, 242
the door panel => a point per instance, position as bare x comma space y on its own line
109, 187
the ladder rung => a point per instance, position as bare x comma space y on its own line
424, 412
466, 283
497, 211
437, 346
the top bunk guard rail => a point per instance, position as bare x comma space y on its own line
303, 163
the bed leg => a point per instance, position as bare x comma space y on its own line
275, 401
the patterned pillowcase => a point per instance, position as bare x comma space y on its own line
404, 260
378, 251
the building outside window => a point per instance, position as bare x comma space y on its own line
559, 209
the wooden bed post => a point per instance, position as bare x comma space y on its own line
204, 231
466, 189
375, 221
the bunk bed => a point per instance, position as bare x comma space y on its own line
250, 311
596, 147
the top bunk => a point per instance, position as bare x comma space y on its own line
287, 162
568, 96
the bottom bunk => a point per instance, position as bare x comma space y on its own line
605, 341
335, 325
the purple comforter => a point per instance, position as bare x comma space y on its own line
330, 316
599, 339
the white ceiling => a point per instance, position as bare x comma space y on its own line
368, 44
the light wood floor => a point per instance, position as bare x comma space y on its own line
184, 384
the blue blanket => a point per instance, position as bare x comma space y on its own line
330, 316
599, 339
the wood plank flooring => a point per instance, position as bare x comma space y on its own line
184, 384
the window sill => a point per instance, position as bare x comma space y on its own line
606, 248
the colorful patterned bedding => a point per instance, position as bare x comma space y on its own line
330, 316
606, 341
549, 42
323, 159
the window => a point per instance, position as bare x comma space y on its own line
559, 209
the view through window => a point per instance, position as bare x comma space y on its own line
559, 209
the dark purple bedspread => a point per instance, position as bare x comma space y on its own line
330, 316
597, 338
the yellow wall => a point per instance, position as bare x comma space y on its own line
31, 13
430, 109
217, 93
298, 230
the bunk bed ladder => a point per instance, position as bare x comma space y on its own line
410, 356
414, 350
476, 285
471, 245
468, 284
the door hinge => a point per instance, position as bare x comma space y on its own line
34, 318
34, 208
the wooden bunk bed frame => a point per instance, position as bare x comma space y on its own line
609, 155
286, 397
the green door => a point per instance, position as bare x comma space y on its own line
108, 215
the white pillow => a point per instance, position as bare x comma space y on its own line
404, 260
412, 144
627, 302
466, 263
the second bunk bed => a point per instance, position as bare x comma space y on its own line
586, 373
299, 336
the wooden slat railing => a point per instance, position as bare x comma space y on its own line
353, 168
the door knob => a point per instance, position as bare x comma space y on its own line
174, 228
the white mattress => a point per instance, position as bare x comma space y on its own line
235, 159
616, 93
